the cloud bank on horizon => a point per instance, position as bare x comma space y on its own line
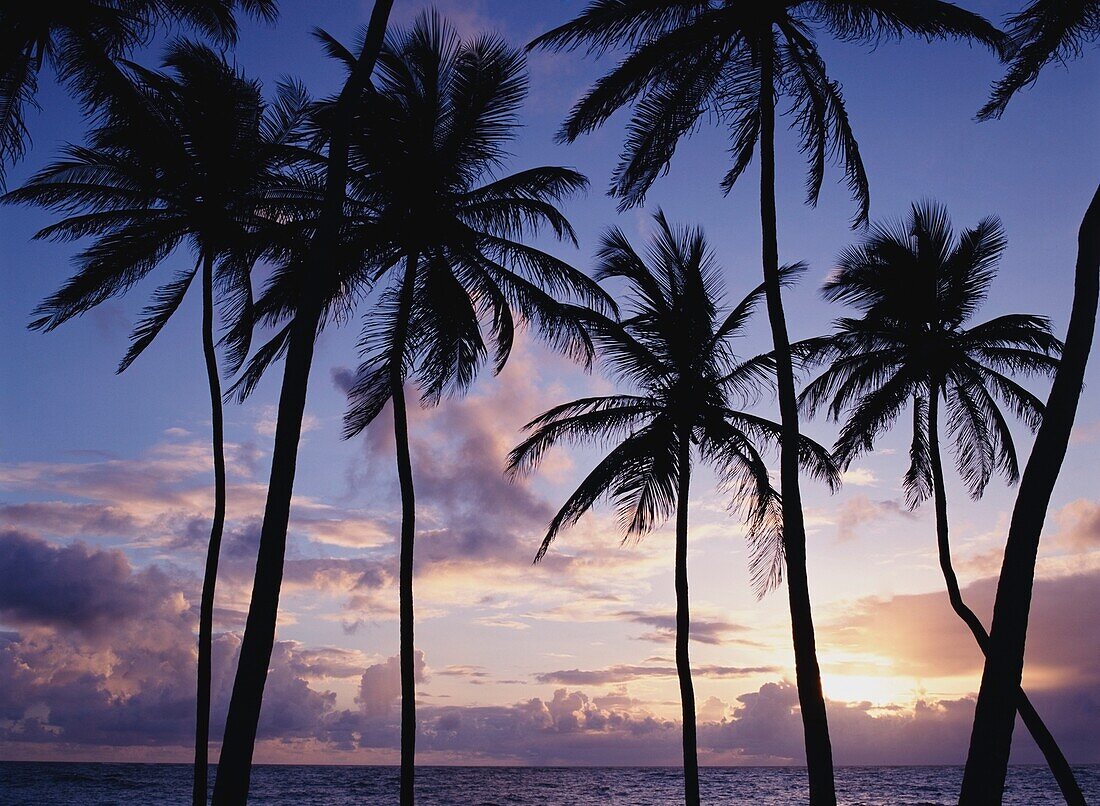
563, 663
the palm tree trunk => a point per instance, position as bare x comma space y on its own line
408, 532
234, 765
213, 550
1060, 768
811, 698
994, 717
683, 626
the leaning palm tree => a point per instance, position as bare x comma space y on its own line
184, 158
918, 287
1044, 32
674, 350
312, 255
427, 162
732, 60
83, 40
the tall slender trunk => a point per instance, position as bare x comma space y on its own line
811, 698
408, 533
235, 763
213, 549
683, 625
994, 717
1060, 768
234, 766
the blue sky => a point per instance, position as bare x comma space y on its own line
104, 469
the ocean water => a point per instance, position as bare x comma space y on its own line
95, 784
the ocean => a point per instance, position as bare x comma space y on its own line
101, 784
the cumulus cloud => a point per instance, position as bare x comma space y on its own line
380, 685
112, 666
766, 724
71, 587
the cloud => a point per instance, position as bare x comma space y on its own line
112, 666
343, 379
69, 519
380, 685
1085, 433
463, 670
859, 511
920, 636
1079, 525
766, 724
624, 672
71, 587
703, 630
477, 531
859, 477
267, 418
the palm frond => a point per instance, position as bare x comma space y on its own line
1045, 31
166, 300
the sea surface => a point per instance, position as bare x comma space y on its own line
93, 784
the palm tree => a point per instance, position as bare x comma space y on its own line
312, 260
82, 40
732, 60
918, 287
181, 158
674, 349
426, 162
1045, 31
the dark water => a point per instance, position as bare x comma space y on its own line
87, 784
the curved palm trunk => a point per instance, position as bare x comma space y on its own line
811, 698
408, 532
994, 717
683, 628
213, 550
234, 766
1060, 768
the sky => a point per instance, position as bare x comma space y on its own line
105, 481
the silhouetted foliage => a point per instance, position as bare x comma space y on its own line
456, 275
673, 348
182, 158
82, 40
733, 61
315, 257
1044, 32
918, 287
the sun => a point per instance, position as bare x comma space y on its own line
877, 689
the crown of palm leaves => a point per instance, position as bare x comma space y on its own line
918, 287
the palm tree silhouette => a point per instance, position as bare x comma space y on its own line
1045, 31
185, 157
311, 256
918, 287
426, 161
674, 349
82, 40
732, 60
